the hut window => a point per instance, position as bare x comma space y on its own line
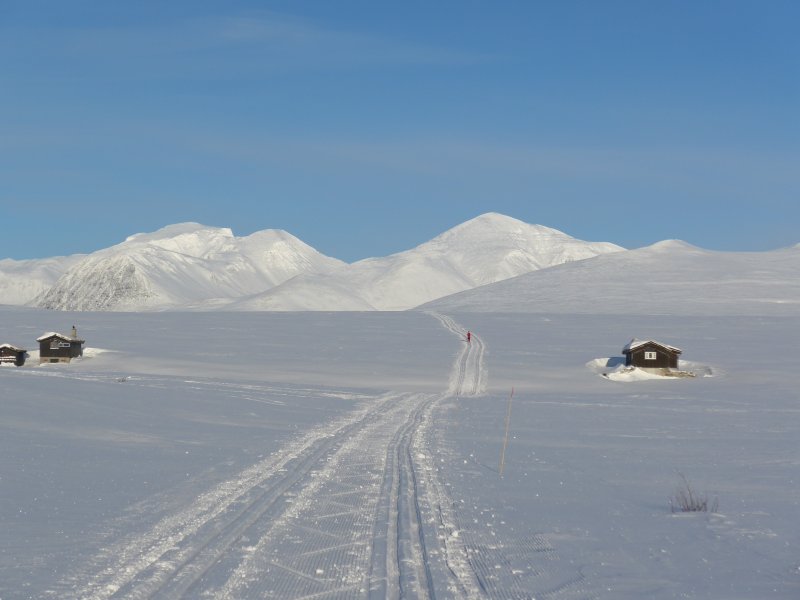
54, 345
650, 356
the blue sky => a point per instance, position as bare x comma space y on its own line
365, 127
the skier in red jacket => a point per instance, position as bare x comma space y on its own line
469, 337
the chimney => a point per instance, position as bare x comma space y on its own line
74, 333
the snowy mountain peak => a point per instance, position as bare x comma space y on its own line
272, 236
176, 230
505, 239
492, 225
490, 220
483, 250
190, 265
191, 239
184, 264
673, 246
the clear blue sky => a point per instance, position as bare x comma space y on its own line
367, 127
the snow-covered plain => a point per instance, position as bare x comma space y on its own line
355, 455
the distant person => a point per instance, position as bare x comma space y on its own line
469, 337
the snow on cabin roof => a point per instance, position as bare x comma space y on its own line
14, 348
51, 334
634, 343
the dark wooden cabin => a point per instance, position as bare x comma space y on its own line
650, 354
12, 354
56, 347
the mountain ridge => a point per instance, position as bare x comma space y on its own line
182, 264
488, 248
197, 267
668, 277
492, 262
23, 280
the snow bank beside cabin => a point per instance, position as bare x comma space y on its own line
614, 368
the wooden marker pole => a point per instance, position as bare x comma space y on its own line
505, 437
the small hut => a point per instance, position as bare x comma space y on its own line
12, 354
649, 354
56, 347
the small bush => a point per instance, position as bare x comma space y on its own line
686, 499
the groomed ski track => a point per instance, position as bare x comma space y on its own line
353, 509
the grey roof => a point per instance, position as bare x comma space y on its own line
14, 348
634, 343
61, 336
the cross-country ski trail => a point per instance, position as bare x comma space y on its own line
353, 509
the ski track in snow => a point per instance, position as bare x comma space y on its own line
175, 553
351, 509
356, 508
468, 377
520, 568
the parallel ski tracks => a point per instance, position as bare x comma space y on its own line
468, 377
475, 557
370, 478
178, 550
354, 509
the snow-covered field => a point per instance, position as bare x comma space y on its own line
355, 455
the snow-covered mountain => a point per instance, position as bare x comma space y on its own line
489, 248
180, 265
22, 280
668, 278
490, 263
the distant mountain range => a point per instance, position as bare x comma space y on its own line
182, 265
481, 251
195, 267
491, 263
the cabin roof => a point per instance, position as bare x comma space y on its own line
14, 348
61, 336
635, 343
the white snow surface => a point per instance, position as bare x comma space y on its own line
669, 277
241, 455
614, 368
486, 249
181, 265
332, 455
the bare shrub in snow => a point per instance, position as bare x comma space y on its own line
686, 499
